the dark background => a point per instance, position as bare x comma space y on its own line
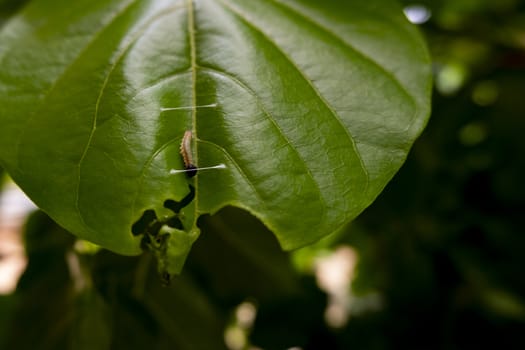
442, 246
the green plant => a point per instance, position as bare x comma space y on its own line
312, 108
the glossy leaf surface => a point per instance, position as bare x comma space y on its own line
311, 106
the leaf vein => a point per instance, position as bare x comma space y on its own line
145, 166
241, 172
272, 120
348, 46
120, 55
193, 69
61, 76
246, 20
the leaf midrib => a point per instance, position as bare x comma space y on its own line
193, 70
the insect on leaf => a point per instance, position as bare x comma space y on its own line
310, 109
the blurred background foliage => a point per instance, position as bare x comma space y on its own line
434, 263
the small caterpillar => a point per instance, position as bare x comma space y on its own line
187, 155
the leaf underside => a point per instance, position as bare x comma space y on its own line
312, 107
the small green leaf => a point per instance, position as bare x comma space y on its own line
312, 106
172, 249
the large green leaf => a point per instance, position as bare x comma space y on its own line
312, 106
